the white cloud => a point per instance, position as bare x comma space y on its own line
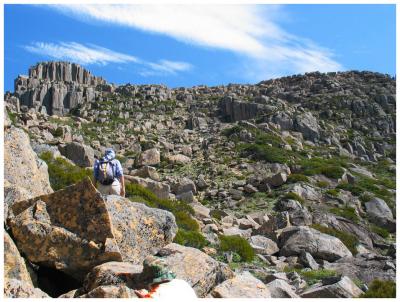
249, 30
93, 54
166, 67
79, 53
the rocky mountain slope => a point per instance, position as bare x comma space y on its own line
285, 188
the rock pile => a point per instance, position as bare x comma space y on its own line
300, 168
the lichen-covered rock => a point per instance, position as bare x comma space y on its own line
244, 285
344, 288
25, 175
14, 265
295, 239
139, 230
75, 229
195, 267
112, 273
14, 288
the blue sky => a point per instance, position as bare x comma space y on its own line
193, 45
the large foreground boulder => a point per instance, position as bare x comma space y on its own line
244, 285
195, 267
25, 175
322, 246
75, 229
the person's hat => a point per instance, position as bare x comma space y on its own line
158, 270
109, 154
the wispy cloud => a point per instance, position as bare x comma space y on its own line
165, 67
93, 54
251, 31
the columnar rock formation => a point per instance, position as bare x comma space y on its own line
56, 87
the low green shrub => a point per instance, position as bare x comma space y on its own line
190, 238
313, 276
322, 184
366, 197
295, 196
366, 184
380, 231
62, 173
349, 240
380, 289
332, 192
295, 177
347, 212
331, 167
238, 245
265, 152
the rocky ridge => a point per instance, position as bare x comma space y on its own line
301, 167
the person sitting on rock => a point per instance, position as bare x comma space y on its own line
162, 283
109, 175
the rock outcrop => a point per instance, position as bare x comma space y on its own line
234, 110
25, 175
56, 86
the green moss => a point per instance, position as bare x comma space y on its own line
62, 173
190, 238
348, 239
347, 212
295, 177
380, 289
238, 245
